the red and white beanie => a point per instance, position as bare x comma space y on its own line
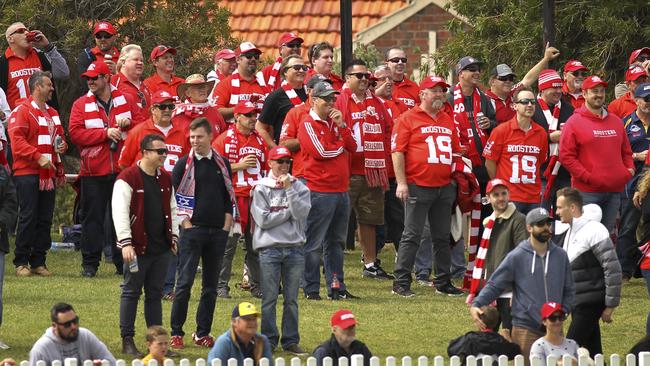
549, 79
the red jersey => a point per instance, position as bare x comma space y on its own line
223, 93
235, 145
141, 95
577, 100
154, 83
406, 94
430, 146
518, 155
290, 126
622, 106
177, 144
185, 113
19, 71
337, 81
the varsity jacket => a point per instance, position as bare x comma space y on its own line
128, 208
594, 264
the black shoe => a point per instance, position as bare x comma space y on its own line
88, 272
402, 291
295, 350
256, 292
129, 348
449, 290
313, 296
376, 272
171, 353
345, 295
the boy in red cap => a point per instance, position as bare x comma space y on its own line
343, 342
163, 78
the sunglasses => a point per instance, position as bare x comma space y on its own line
293, 45
251, 56
103, 36
506, 78
284, 161
93, 78
360, 75
373, 84
397, 60
526, 101
556, 318
473, 69
143, 100
161, 151
580, 73
162, 107
69, 323
20, 31
249, 114
328, 99
298, 67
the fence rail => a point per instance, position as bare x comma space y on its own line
357, 360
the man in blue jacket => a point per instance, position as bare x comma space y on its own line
538, 271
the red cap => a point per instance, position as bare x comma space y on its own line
550, 308
224, 54
246, 47
244, 107
495, 183
161, 50
95, 69
104, 27
634, 72
344, 319
549, 79
574, 65
636, 53
592, 82
433, 81
161, 96
279, 152
288, 37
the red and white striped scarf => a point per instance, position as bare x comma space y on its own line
291, 94
477, 273
463, 123
554, 148
274, 80
120, 109
49, 128
235, 87
231, 145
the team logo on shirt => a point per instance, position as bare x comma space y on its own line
635, 128
604, 133
408, 101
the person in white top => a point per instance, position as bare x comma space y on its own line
553, 343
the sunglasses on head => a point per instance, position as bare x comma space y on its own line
397, 60
526, 101
161, 151
103, 36
20, 31
298, 67
580, 73
251, 56
556, 318
162, 107
360, 75
506, 78
284, 161
293, 45
69, 323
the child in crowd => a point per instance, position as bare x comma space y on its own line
554, 343
157, 344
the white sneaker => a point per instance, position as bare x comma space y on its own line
3, 345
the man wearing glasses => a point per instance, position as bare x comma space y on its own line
21, 60
99, 120
163, 78
405, 91
160, 123
290, 44
245, 84
537, 271
574, 75
105, 36
146, 224
66, 339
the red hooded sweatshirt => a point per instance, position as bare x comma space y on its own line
596, 151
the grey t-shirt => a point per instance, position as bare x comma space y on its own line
544, 348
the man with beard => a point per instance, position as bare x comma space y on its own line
289, 44
588, 136
163, 78
537, 271
574, 75
104, 51
66, 339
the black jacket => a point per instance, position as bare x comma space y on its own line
331, 348
8, 208
482, 343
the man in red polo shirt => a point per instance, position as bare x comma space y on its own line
162, 58
21, 60
289, 44
425, 144
625, 104
105, 36
247, 152
128, 78
405, 91
515, 152
321, 57
574, 75
244, 84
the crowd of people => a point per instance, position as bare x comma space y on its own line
292, 158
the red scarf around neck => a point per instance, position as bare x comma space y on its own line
553, 166
291, 94
49, 128
274, 80
464, 124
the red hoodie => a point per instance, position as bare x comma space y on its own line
596, 151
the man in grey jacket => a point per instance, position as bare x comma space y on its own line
594, 264
65, 339
280, 207
538, 271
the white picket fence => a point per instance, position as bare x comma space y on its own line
357, 360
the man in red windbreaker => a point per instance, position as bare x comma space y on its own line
595, 149
98, 121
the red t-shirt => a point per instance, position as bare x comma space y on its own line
503, 108
394, 112
290, 126
155, 83
19, 71
247, 89
406, 94
253, 144
177, 144
518, 156
430, 146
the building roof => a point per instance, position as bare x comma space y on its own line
263, 21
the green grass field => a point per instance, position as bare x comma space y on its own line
391, 326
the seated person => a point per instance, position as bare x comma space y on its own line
242, 341
343, 342
157, 344
487, 342
554, 343
66, 339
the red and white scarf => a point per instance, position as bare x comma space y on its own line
274, 80
120, 109
464, 124
291, 94
477, 273
554, 149
49, 128
191, 110
235, 87
231, 146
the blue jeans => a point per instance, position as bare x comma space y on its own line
609, 202
285, 265
327, 227
646, 276
170, 277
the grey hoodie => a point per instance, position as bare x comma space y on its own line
50, 347
534, 280
280, 214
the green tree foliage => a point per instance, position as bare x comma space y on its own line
600, 33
